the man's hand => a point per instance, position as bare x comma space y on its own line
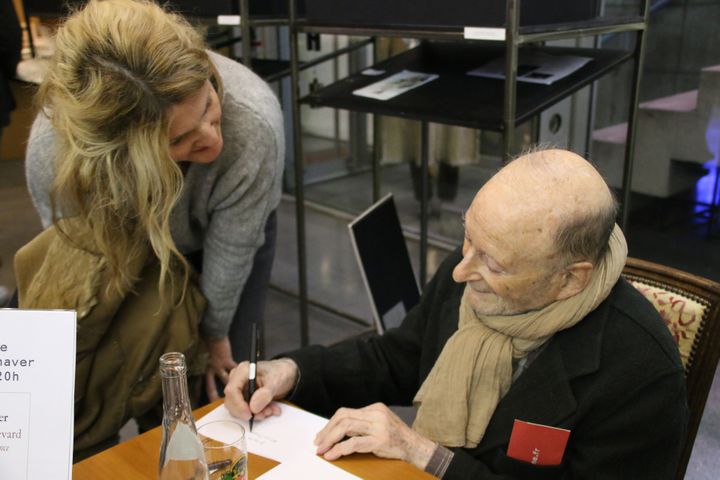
373, 429
221, 362
274, 380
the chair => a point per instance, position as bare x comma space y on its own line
690, 306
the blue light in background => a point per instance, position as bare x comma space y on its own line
704, 187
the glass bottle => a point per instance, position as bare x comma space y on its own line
181, 453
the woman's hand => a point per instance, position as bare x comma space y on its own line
221, 362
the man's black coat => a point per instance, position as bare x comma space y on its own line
615, 380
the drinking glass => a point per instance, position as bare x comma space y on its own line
225, 449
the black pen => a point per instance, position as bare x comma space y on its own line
253, 368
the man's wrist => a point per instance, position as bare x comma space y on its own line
421, 452
439, 461
293, 376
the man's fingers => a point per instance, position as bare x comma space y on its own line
260, 399
351, 445
270, 410
235, 403
234, 398
338, 429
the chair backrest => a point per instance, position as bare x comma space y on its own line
690, 306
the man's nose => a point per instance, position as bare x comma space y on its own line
466, 270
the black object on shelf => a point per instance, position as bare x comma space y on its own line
444, 14
456, 98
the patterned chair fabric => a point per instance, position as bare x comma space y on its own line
682, 312
690, 307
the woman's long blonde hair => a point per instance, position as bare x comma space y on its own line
119, 65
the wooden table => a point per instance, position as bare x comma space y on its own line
138, 459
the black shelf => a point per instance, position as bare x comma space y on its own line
270, 69
456, 98
528, 33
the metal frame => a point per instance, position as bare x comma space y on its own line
515, 36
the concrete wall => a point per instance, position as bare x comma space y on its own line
682, 38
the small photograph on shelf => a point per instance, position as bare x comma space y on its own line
534, 67
395, 85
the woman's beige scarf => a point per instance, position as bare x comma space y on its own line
474, 370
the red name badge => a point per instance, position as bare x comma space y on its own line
537, 444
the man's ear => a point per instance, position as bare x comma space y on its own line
575, 279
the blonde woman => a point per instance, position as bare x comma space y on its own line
145, 138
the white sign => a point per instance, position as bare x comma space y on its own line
37, 383
228, 20
484, 33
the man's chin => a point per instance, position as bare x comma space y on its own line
486, 307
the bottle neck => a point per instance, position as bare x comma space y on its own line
176, 401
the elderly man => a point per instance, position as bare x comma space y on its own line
530, 321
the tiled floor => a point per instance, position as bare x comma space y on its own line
334, 279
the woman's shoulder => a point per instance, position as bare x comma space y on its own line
245, 93
250, 111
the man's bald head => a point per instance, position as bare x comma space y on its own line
563, 191
534, 233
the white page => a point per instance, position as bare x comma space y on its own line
395, 85
279, 438
534, 67
37, 383
310, 467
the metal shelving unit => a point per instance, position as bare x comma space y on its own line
507, 115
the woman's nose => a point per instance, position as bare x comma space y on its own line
210, 134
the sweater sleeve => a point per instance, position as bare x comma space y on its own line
242, 199
40, 166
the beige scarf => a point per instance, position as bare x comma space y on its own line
474, 370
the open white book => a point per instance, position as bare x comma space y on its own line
286, 438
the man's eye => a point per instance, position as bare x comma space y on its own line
492, 266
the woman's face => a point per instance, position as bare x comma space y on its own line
194, 132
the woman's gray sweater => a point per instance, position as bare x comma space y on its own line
224, 204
